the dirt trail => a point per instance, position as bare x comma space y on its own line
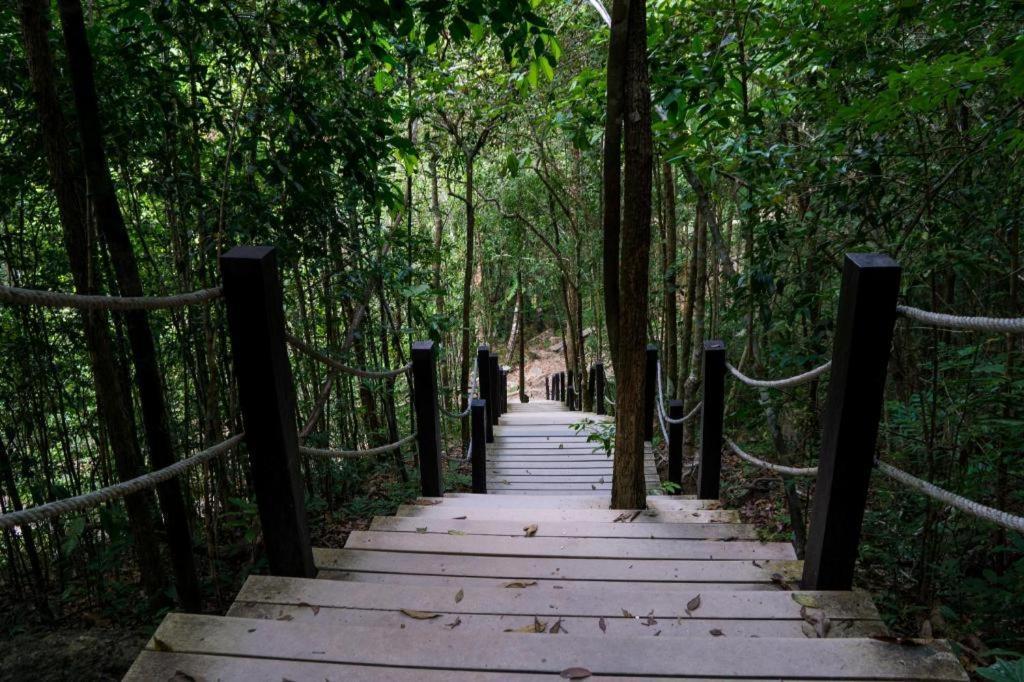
541, 360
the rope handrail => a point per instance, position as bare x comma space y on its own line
796, 380
1003, 325
469, 400
976, 509
56, 299
352, 454
116, 491
661, 406
300, 345
777, 468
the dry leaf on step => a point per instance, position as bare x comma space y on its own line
420, 615
601, 624
692, 605
535, 627
458, 596
521, 583
530, 530
575, 674
558, 628
454, 624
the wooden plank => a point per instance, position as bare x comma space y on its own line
659, 502
759, 657
161, 665
590, 548
457, 582
531, 515
613, 626
535, 568
652, 531
580, 601
575, 477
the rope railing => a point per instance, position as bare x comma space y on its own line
54, 299
355, 454
302, 346
116, 491
777, 468
469, 401
976, 509
663, 416
1001, 325
796, 380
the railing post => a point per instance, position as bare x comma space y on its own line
860, 357
599, 387
492, 400
428, 417
675, 443
478, 419
710, 467
570, 388
650, 376
570, 398
504, 391
483, 374
547, 388
252, 293
561, 386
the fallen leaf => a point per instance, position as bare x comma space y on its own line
601, 480
180, 676
315, 609
421, 530
657, 633
456, 532
575, 674
808, 630
458, 518
621, 517
593, 487
558, 628
251, 630
161, 645
458, 596
286, 617
601, 624
454, 624
902, 641
780, 581
649, 620
420, 615
692, 605
426, 503
521, 583
627, 614
530, 530
805, 600
715, 632
535, 627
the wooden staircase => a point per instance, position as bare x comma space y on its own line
539, 579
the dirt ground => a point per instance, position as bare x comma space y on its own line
70, 654
544, 357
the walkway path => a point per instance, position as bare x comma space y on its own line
541, 578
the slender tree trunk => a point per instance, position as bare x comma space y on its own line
467, 292
686, 342
523, 397
612, 169
671, 351
112, 403
628, 484
697, 317
39, 581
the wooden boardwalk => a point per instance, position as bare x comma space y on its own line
541, 579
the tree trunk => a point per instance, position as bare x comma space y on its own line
523, 397
628, 485
39, 587
467, 293
671, 352
147, 372
112, 403
612, 169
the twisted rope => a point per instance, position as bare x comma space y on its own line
298, 344
353, 454
54, 299
1004, 519
1003, 325
780, 383
661, 406
777, 468
469, 401
115, 491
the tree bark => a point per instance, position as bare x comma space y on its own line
612, 169
628, 485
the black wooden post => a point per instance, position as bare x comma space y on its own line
570, 388
591, 385
495, 410
557, 395
483, 373
675, 443
428, 417
650, 376
266, 394
570, 398
478, 419
710, 467
860, 357
561, 386
547, 388
599, 387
